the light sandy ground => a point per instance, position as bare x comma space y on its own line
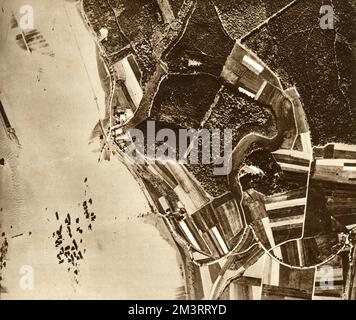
53, 110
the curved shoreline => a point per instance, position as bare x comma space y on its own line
109, 90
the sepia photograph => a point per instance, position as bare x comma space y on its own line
177, 150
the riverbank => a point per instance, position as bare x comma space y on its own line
56, 170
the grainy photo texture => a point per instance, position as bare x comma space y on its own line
178, 149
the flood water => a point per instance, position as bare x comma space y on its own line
49, 96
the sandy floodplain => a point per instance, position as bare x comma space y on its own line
51, 98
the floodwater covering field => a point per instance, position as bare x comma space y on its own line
49, 96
